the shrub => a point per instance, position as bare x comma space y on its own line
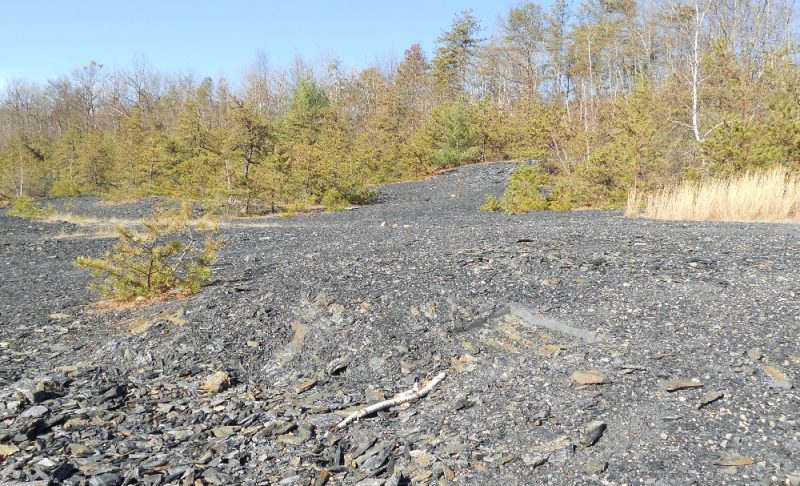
23, 207
529, 189
334, 200
491, 204
166, 256
360, 195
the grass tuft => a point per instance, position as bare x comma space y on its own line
772, 195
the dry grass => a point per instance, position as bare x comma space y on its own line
106, 226
95, 228
79, 235
81, 220
772, 195
111, 305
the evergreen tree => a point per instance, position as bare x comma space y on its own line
454, 55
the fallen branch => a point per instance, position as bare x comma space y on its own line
406, 396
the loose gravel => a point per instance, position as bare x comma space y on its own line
579, 348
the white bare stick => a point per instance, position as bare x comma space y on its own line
400, 398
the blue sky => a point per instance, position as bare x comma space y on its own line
43, 39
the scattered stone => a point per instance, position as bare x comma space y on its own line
777, 378
422, 477
8, 449
735, 461
374, 395
463, 363
75, 423
681, 384
371, 482
539, 417
592, 432
78, 450
535, 460
422, 458
296, 344
554, 445
336, 366
377, 363
462, 403
224, 431
37, 390
755, 354
322, 478
36, 411
214, 476
181, 434
105, 479
454, 447
294, 479
305, 386
46, 463
216, 382
595, 467
449, 474
709, 398
278, 427
551, 349
507, 459
584, 378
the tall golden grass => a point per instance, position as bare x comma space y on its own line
771, 195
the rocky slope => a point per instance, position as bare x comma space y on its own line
579, 348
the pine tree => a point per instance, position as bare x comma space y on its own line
455, 54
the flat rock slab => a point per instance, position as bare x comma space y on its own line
588, 378
680, 384
778, 378
551, 446
736, 461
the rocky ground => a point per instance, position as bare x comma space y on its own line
578, 348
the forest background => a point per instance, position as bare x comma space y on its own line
600, 98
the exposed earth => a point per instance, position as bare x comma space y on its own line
579, 348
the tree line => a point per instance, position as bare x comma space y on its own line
607, 96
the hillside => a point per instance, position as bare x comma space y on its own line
579, 348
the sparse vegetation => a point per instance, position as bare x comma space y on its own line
573, 87
333, 200
491, 204
172, 253
771, 195
25, 207
529, 189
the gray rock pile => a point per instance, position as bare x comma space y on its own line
579, 348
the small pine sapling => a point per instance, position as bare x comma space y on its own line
168, 255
